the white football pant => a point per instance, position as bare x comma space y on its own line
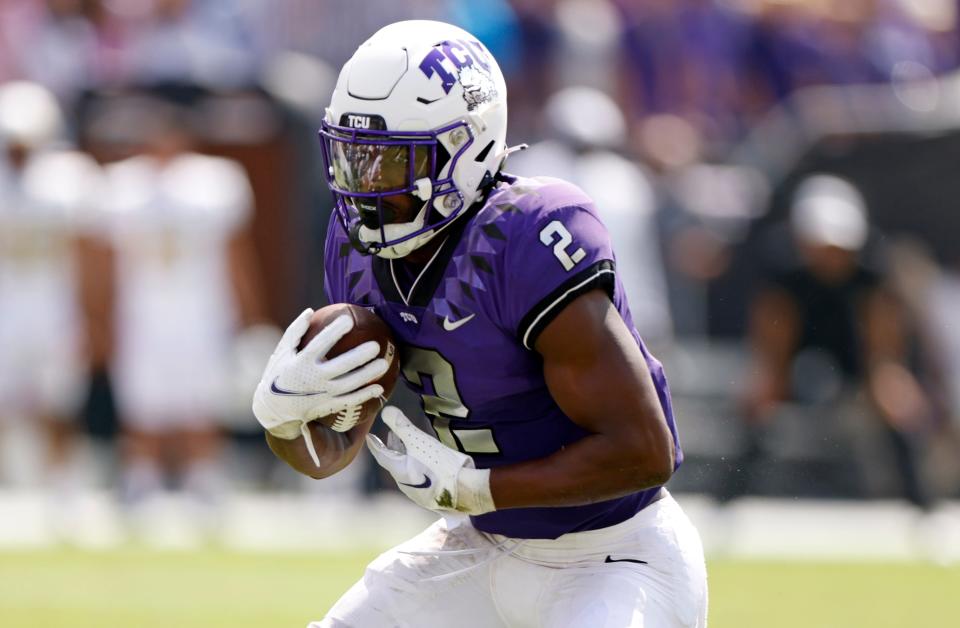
647, 572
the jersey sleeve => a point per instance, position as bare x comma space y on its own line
553, 258
76, 197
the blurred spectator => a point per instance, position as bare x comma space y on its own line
944, 308
493, 22
533, 77
684, 57
329, 29
797, 46
47, 196
829, 333
176, 218
932, 293
590, 33
66, 45
200, 42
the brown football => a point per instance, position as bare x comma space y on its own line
366, 326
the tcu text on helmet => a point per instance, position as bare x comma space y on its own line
358, 122
460, 53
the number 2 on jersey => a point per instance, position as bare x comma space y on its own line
556, 231
444, 402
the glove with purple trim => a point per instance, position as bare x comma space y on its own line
427, 471
300, 386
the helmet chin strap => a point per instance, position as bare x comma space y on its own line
374, 247
364, 248
424, 192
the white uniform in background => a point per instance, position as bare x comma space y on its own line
176, 311
42, 210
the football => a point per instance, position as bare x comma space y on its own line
366, 326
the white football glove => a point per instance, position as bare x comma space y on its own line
427, 471
300, 386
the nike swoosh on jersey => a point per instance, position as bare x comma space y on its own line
292, 393
425, 484
609, 559
451, 325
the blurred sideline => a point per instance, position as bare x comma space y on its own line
747, 528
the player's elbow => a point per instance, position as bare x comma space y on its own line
660, 472
654, 455
656, 470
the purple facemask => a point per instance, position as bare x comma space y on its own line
363, 166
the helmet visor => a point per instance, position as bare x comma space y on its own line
366, 167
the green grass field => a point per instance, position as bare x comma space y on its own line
146, 589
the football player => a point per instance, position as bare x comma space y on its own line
177, 218
49, 196
553, 433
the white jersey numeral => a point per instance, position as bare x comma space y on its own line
445, 402
557, 235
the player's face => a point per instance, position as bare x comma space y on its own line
379, 168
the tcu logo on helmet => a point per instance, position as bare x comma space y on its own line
358, 122
470, 66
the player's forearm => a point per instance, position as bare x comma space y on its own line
595, 468
335, 450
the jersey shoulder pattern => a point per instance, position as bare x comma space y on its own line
546, 245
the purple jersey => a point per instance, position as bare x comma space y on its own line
466, 327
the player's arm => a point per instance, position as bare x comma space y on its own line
600, 379
892, 387
774, 333
558, 301
598, 376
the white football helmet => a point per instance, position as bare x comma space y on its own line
420, 109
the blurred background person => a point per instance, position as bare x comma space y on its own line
685, 58
191, 42
828, 334
944, 332
175, 219
49, 195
